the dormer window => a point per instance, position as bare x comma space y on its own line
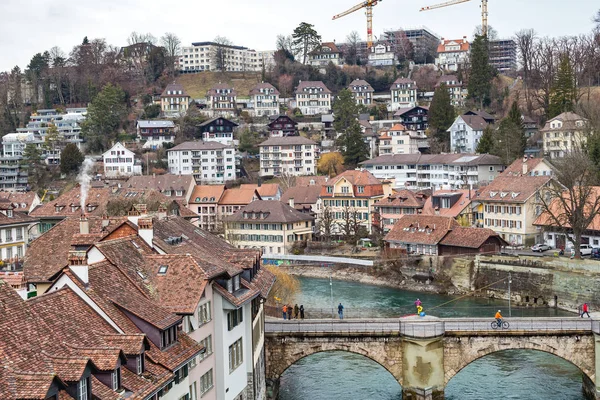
168, 337
9, 213
179, 193
361, 189
91, 207
493, 194
140, 364
329, 189
229, 285
84, 389
115, 379
167, 192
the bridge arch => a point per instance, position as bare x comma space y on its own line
461, 351
285, 352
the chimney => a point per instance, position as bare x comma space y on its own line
259, 181
145, 230
78, 264
162, 213
84, 225
291, 202
525, 167
105, 220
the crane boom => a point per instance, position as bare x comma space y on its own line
445, 4
368, 4
350, 11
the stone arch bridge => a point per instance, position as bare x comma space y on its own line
423, 354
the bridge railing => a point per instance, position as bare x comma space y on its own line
331, 326
542, 324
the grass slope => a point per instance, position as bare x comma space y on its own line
196, 85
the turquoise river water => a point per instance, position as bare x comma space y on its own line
513, 374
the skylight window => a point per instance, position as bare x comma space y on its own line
141, 274
162, 270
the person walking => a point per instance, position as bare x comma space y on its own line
585, 310
289, 311
301, 311
341, 311
296, 311
284, 311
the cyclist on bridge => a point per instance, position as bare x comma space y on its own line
499, 318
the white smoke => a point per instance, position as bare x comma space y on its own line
85, 180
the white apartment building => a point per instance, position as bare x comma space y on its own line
313, 97
466, 132
404, 94
208, 162
120, 161
399, 140
221, 100
266, 58
563, 133
288, 155
200, 56
437, 171
381, 55
362, 92
264, 100
452, 54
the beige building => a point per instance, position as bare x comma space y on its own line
313, 97
362, 92
355, 192
563, 133
399, 140
270, 225
404, 93
221, 100
174, 101
511, 206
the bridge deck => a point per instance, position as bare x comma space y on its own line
432, 327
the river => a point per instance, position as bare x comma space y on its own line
513, 374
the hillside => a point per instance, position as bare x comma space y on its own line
196, 85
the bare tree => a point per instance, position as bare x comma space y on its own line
285, 43
350, 224
325, 225
220, 53
572, 206
135, 38
287, 180
172, 45
525, 44
402, 47
352, 56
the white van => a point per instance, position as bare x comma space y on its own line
586, 250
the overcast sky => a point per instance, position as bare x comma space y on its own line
31, 26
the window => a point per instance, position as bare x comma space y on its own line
193, 391
162, 270
207, 343
206, 382
345, 189
181, 374
82, 389
140, 364
329, 189
115, 378
168, 337
236, 279
204, 314
234, 318
236, 357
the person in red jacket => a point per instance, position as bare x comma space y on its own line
585, 310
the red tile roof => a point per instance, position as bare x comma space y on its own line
464, 45
421, 229
512, 189
457, 208
273, 211
264, 85
402, 198
207, 192
468, 237
264, 190
372, 186
68, 204
238, 196
516, 168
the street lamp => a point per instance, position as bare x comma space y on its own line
509, 282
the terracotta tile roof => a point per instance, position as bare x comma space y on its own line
464, 45
180, 288
372, 185
238, 196
28, 385
161, 183
516, 168
105, 359
68, 204
421, 229
131, 344
331, 46
557, 210
456, 209
264, 190
468, 237
402, 198
47, 255
139, 385
103, 392
246, 293
14, 279
263, 85
404, 81
207, 191
568, 119
272, 210
302, 195
176, 355
20, 198
512, 189
303, 87
306, 180
63, 395
287, 141
70, 369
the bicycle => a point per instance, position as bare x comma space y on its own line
504, 325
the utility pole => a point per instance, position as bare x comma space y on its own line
509, 308
331, 289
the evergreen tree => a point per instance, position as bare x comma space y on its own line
515, 115
33, 163
345, 110
354, 148
104, 118
510, 141
563, 95
441, 114
486, 143
305, 39
481, 73
70, 159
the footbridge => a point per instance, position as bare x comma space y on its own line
424, 353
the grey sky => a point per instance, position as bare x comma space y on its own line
31, 26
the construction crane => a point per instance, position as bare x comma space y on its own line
368, 4
484, 12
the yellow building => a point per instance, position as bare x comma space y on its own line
270, 225
174, 101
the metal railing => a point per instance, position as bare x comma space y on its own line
547, 324
389, 326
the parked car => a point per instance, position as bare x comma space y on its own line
586, 250
540, 247
595, 252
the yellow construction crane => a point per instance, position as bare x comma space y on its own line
484, 12
368, 4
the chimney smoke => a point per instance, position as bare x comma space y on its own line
85, 179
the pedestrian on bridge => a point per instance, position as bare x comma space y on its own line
341, 311
289, 311
284, 311
585, 310
301, 311
296, 311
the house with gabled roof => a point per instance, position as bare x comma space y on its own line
324, 54
174, 101
564, 133
391, 208
221, 100
264, 100
452, 54
465, 133
313, 97
404, 94
362, 92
